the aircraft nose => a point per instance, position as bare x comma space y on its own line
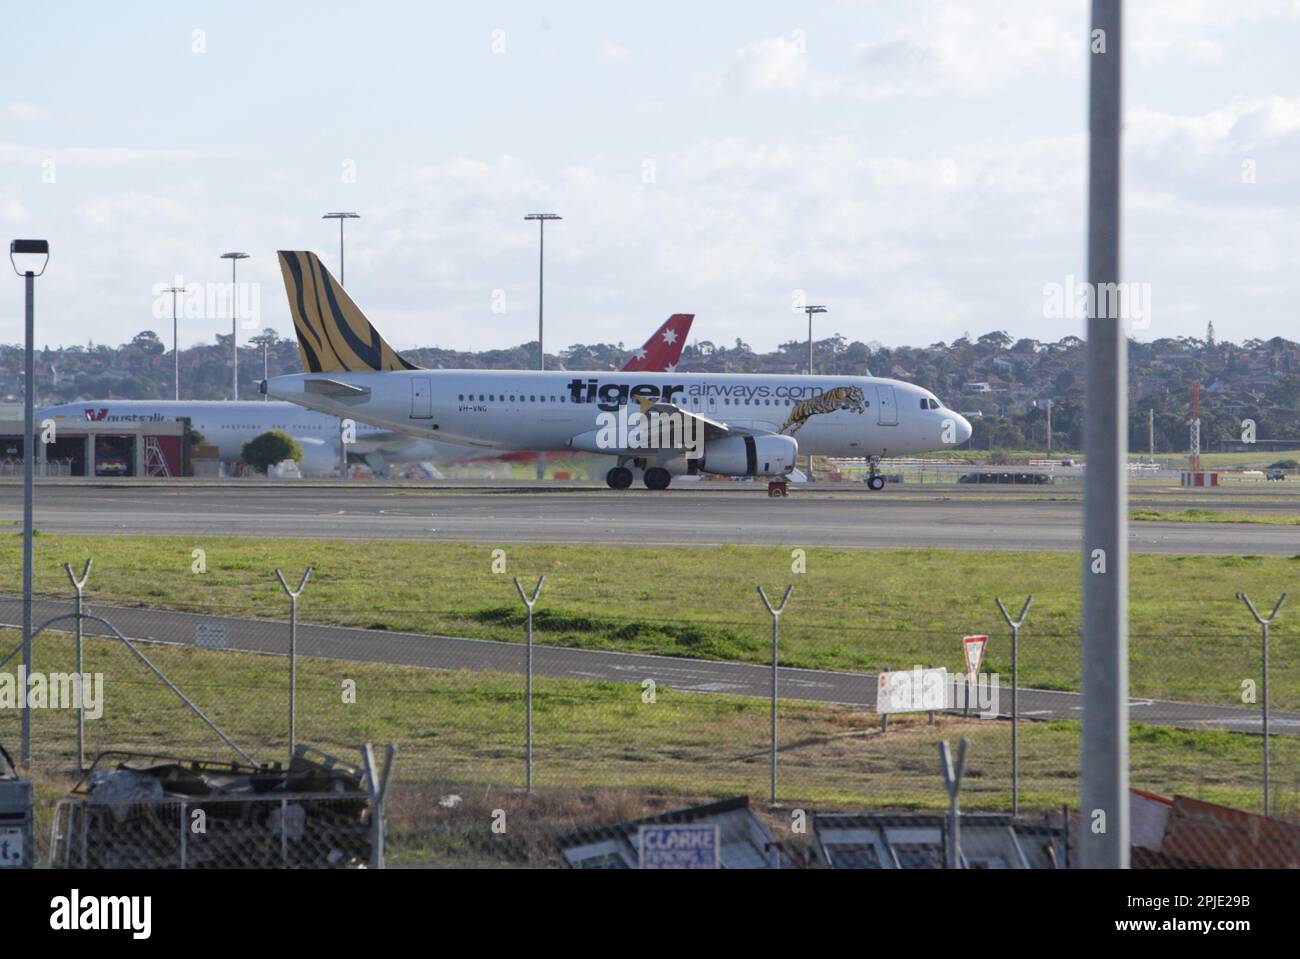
963, 428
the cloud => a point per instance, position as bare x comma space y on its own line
108, 212
611, 52
97, 156
959, 49
776, 63
21, 110
11, 211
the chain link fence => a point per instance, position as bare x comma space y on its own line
617, 736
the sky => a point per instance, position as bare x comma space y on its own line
916, 167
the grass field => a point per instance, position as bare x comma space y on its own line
1210, 516
1190, 638
466, 730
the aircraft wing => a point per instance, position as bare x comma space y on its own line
712, 428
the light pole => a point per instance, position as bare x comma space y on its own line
28, 248
341, 217
176, 346
234, 259
541, 219
1103, 767
810, 310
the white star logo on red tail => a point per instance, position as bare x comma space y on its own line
670, 368
639, 354
670, 336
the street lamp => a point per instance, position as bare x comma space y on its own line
541, 219
341, 217
234, 259
810, 310
176, 346
25, 248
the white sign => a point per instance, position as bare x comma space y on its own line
912, 691
211, 635
683, 846
974, 649
12, 852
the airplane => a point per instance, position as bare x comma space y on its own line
662, 424
230, 425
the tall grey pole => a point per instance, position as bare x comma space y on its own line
234, 259
541, 290
29, 458
341, 216
776, 616
234, 332
1104, 755
1015, 625
1049, 426
541, 219
176, 346
810, 310
1264, 624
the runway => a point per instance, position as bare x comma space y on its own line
688, 675
701, 514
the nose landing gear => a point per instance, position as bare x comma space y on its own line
875, 482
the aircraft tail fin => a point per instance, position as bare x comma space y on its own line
660, 353
334, 336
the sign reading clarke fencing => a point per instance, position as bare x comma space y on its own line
682, 846
912, 691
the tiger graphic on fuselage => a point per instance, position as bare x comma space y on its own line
841, 397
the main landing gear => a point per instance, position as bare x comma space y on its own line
875, 482
656, 477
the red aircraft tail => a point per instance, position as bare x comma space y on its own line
664, 348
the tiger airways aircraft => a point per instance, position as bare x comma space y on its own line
660, 424
229, 425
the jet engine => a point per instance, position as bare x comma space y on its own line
763, 455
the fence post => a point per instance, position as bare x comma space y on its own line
528, 681
1264, 624
377, 786
952, 782
293, 655
776, 616
79, 585
1015, 625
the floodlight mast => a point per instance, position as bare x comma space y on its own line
341, 217
234, 258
